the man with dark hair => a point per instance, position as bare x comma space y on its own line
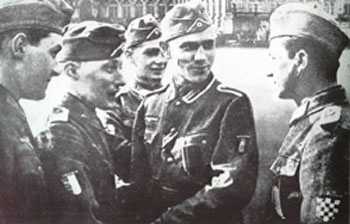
30, 34
76, 156
194, 152
145, 55
313, 162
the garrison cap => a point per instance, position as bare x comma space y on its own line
50, 15
307, 21
140, 30
184, 19
90, 41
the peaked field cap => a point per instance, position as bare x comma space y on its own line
184, 19
142, 29
91, 40
50, 15
308, 21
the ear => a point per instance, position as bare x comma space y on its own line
18, 45
71, 69
301, 60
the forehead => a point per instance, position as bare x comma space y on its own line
99, 63
208, 34
278, 45
149, 44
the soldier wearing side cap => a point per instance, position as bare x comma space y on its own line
76, 156
147, 62
312, 166
194, 155
30, 32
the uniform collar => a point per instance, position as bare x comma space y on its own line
82, 110
191, 92
332, 95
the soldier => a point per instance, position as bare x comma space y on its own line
313, 162
194, 153
79, 167
30, 32
146, 55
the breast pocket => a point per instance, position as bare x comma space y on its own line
151, 124
196, 153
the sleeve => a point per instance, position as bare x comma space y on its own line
120, 144
236, 157
324, 177
72, 195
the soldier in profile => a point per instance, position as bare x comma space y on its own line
313, 162
194, 156
77, 161
30, 33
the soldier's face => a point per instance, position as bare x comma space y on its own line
194, 54
39, 67
99, 81
149, 60
284, 68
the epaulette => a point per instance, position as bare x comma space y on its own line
59, 114
226, 89
330, 117
160, 90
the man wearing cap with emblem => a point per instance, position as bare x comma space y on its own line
147, 61
30, 32
77, 160
194, 153
313, 162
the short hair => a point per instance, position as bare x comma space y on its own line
319, 54
34, 35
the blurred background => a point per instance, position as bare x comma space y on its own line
242, 62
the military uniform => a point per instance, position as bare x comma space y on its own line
23, 192
79, 165
119, 121
196, 154
23, 189
313, 162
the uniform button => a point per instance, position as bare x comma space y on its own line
204, 142
169, 160
172, 130
177, 103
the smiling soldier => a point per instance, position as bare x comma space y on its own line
147, 61
80, 171
194, 153
313, 162
30, 33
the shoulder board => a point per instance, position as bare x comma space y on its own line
226, 89
330, 116
59, 114
160, 90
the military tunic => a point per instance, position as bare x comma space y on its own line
313, 161
22, 186
78, 164
195, 155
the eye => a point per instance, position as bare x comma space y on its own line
152, 52
189, 46
54, 50
112, 67
208, 44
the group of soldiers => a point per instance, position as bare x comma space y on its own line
184, 152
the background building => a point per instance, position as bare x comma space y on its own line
238, 21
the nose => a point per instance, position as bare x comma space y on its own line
161, 59
200, 54
57, 69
